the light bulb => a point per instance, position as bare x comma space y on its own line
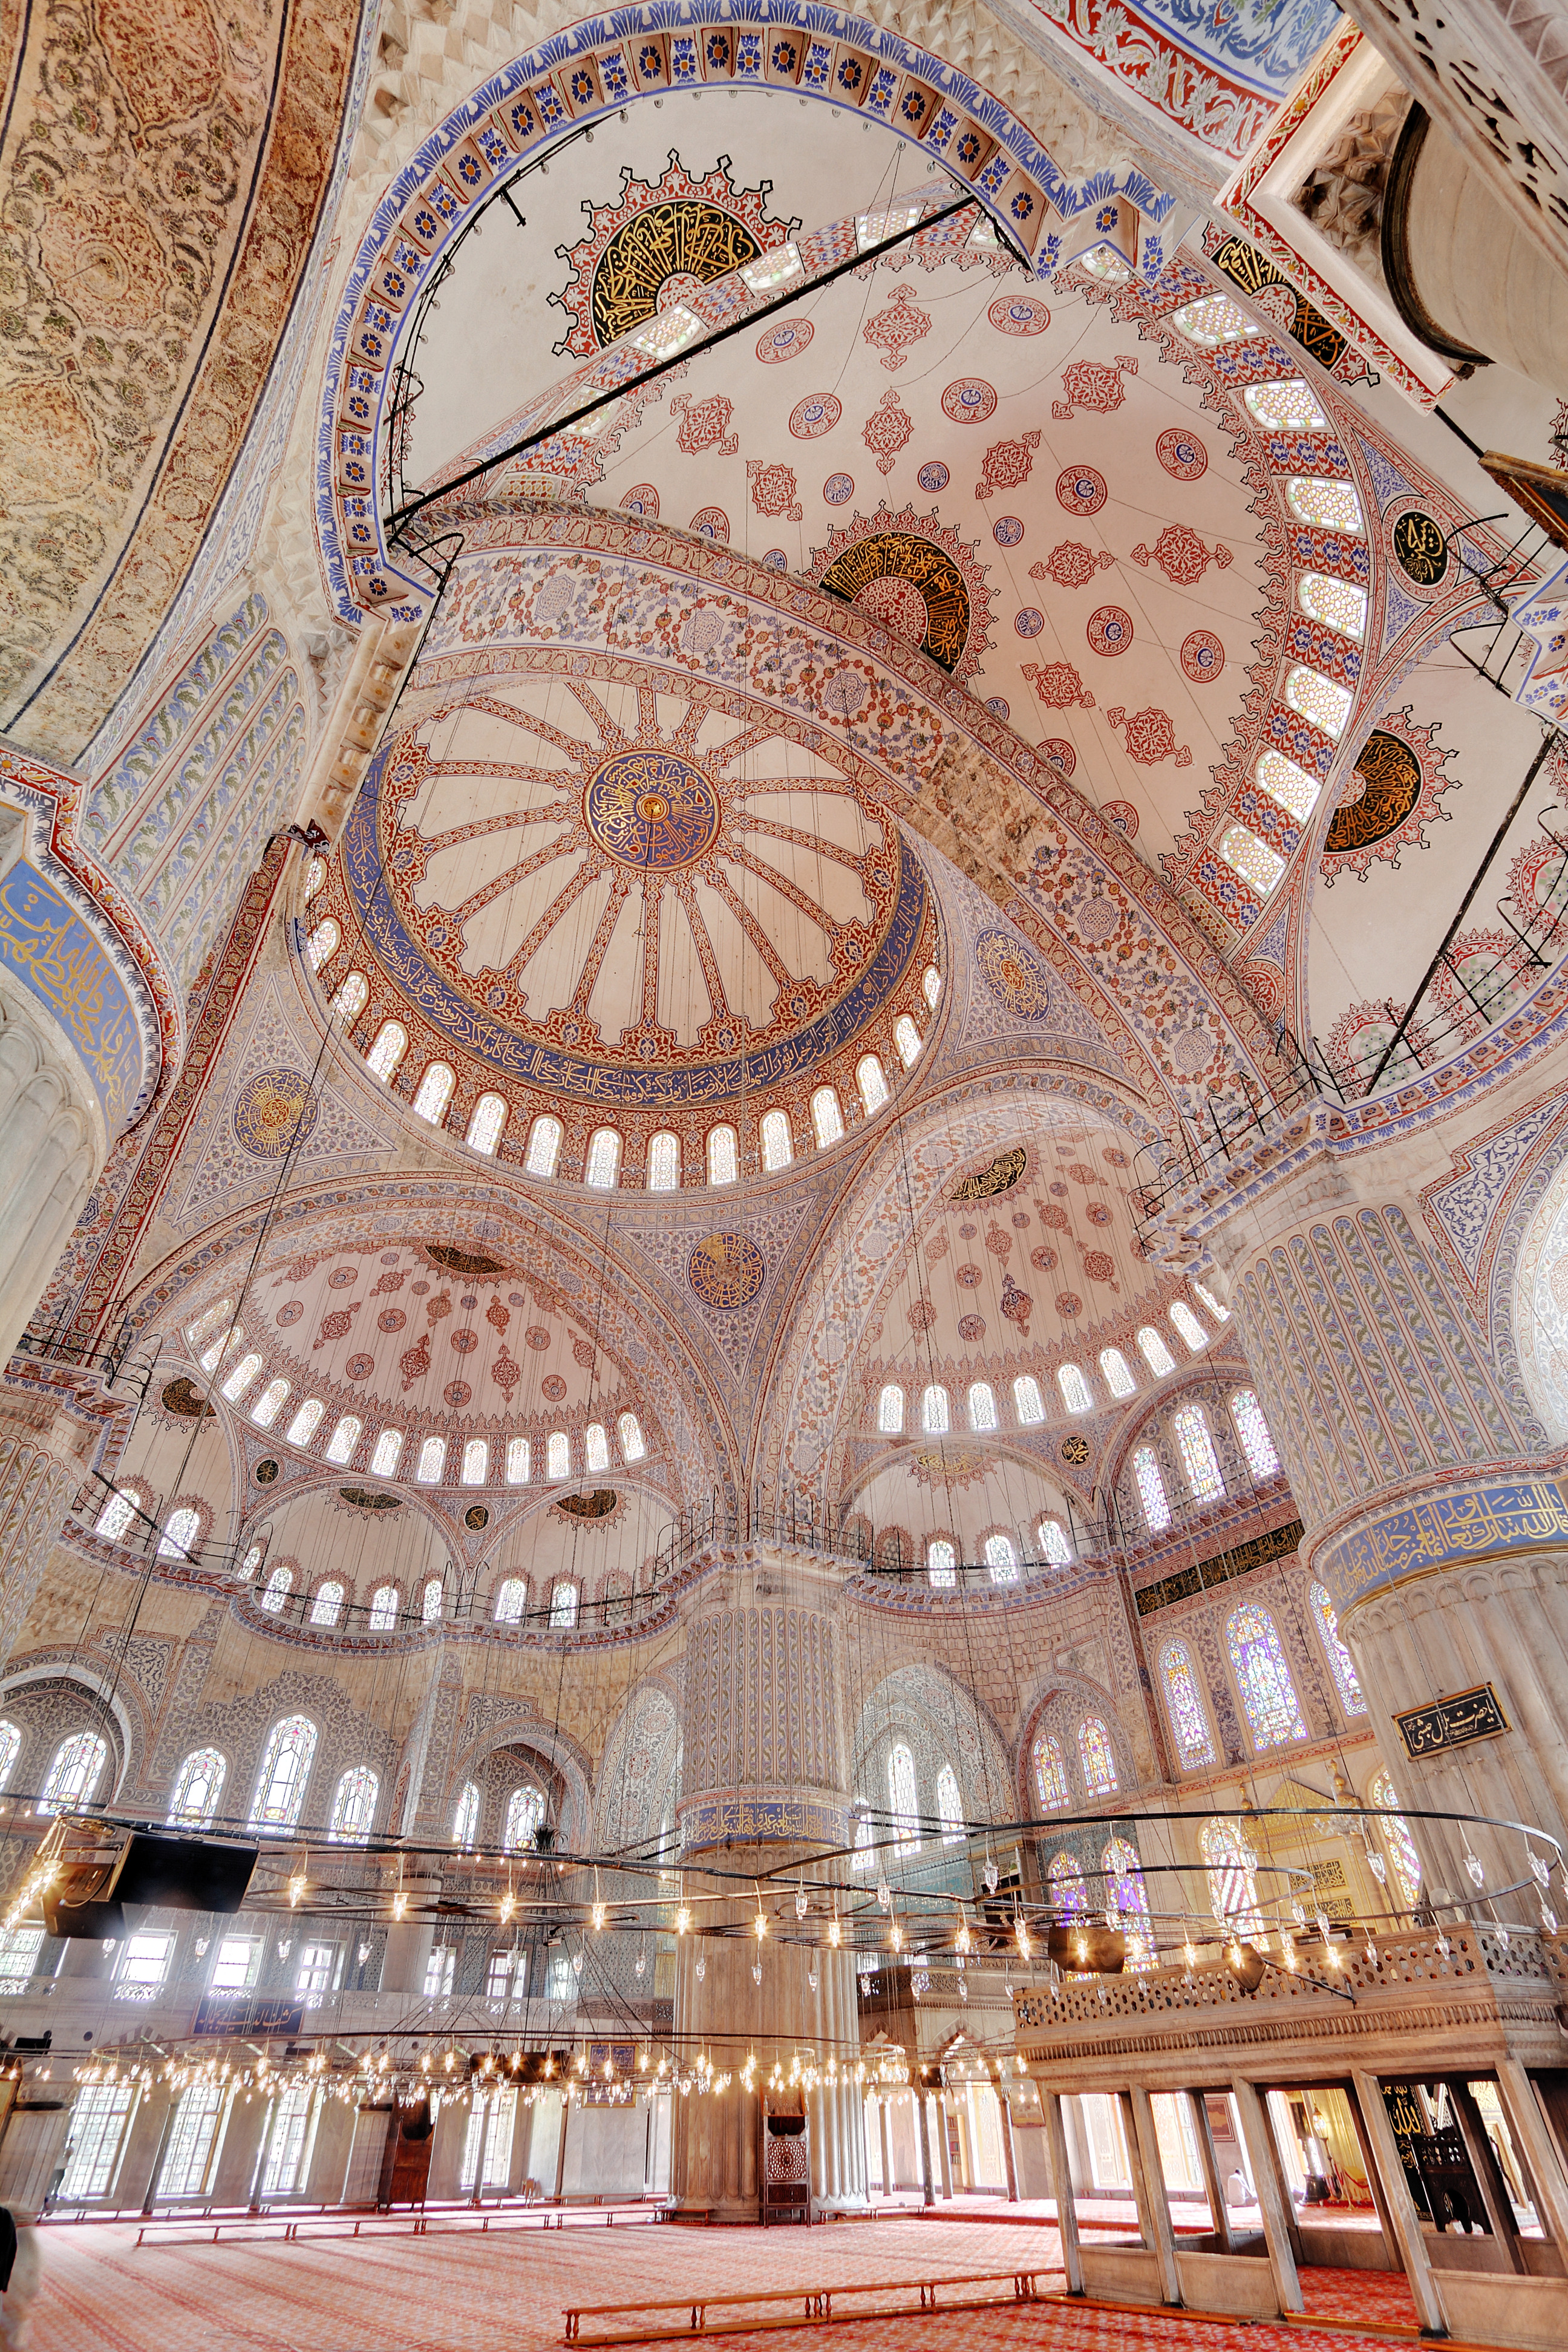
1378, 1867
1473, 1864
756, 1972
896, 1938
642, 1964
400, 1907
963, 1989
961, 1940
1539, 1866
598, 1915
576, 1964
991, 1875
811, 1976
884, 1894
760, 1925
1021, 1932
835, 1933
800, 1903
296, 1889
701, 1968
682, 1920
508, 1903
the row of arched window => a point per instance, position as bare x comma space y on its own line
1095, 1762
279, 1796
1263, 1680
524, 1813
385, 1611
904, 1809
1199, 1460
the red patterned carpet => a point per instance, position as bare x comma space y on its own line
449, 2293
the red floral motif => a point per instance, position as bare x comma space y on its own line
1202, 657
642, 500
391, 1319
1058, 686
414, 1363
498, 1315
334, 1325
785, 342
1150, 738
1123, 816
1082, 490
457, 1394
923, 1315
1043, 1260
1093, 385
886, 430
389, 1282
360, 1367
1181, 454
1016, 1305
704, 424
1056, 749
1110, 631
552, 1389
773, 489
1181, 556
1100, 1266
506, 1372
536, 1336
810, 419
1071, 565
1007, 464
1018, 314
1069, 1304
712, 522
903, 323
970, 401
436, 1309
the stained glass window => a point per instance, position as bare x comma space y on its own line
1127, 1894
350, 1000
432, 1461
466, 1820
1188, 1324
204, 1324
950, 1806
595, 1446
306, 1422
1051, 1774
664, 1162
1233, 1887
251, 1562
430, 1606
631, 1436
512, 1600
1069, 1893
1288, 407
519, 1465
564, 1606
276, 1590
891, 1410
1027, 1402
1193, 1736
285, 1769
1150, 1491
390, 1046
353, 1806
778, 1145
1398, 1844
118, 1513
1105, 263
476, 1462
931, 985
1221, 1314
10, 1748
322, 944
934, 1411
723, 1155
386, 1453
873, 1086
1119, 1379
383, 1609
1154, 1352
602, 1169
1199, 1460
1267, 1692
1318, 698
199, 1785
1214, 318
1002, 1560
942, 1562
327, 1606
1253, 859
826, 1118
1053, 1542
558, 1454
345, 1438
1077, 1395
1094, 1754
269, 1403
904, 1797
486, 1122
908, 1040
1340, 1662
1327, 506
1291, 786
982, 1405
315, 874
543, 1146
435, 1092
1256, 1440
1338, 603
524, 1811
181, 1529
239, 1379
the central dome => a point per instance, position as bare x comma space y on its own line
651, 811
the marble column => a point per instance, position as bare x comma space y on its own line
52, 1432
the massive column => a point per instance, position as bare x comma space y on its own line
53, 1143
51, 1432
764, 1765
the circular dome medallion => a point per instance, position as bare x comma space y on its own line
726, 1270
1014, 979
273, 1110
651, 810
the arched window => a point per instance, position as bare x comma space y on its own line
1027, 1402
10, 1748
315, 874
328, 1604
73, 1776
432, 1462
903, 1798
350, 1000
1069, 1895
1126, 1893
872, 1084
1117, 1377
1077, 1395
435, 1092
1287, 407
251, 1562
239, 1379
1187, 1709
982, 1405
543, 1146
306, 1422
199, 1785
1267, 1692
466, 1820
1002, 1560
485, 1123
1291, 786
629, 1430
558, 1454
1258, 864
1154, 1352
285, 1769
476, 1462
1321, 699
564, 1605
908, 1040
430, 1606
602, 1169
390, 1046
181, 1529
864, 1854
524, 1811
1341, 1665
383, 1609
345, 1438
1188, 1324
322, 944
950, 1807
1326, 505
1397, 1842
595, 1446
826, 1118
1150, 1491
512, 1600
226, 1343
518, 1461
931, 985
1051, 1537
778, 1144
269, 1403
723, 1155
891, 1410
353, 1806
114, 1519
1257, 1439
1094, 1754
941, 1562
664, 1162
1199, 1459
1051, 1774
1338, 603
933, 1411
387, 1453
1214, 318
276, 1590
207, 1323
1233, 1887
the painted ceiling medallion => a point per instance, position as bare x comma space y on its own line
651, 811
998, 1176
727, 1270
1388, 799
273, 1110
917, 578
1010, 972
659, 243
